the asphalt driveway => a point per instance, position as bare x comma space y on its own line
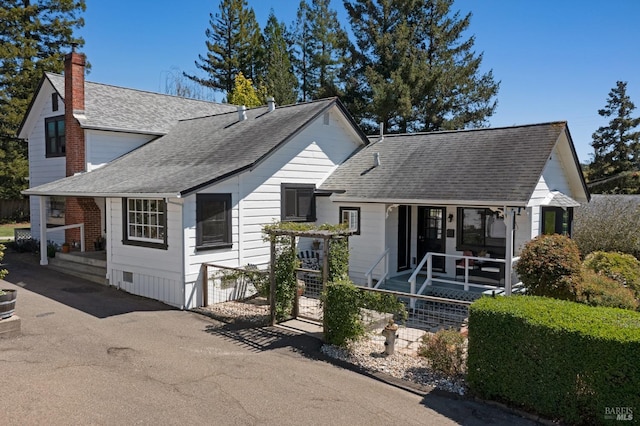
91, 354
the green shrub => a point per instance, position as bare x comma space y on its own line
561, 359
445, 351
549, 266
344, 302
3, 272
624, 268
599, 290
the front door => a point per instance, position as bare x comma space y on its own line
431, 234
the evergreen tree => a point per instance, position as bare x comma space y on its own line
245, 93
233, 45
34, 36
616, 146
416, 71
323, 47
280, 80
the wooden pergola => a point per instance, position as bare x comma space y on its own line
324, 235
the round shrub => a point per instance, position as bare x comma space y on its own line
624, 268
599, 290
549, 266
445, 351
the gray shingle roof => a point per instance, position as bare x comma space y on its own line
118, 108
491, 165
193, 154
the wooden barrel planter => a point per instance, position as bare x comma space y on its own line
7, 303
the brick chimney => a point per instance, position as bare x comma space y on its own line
74, 103
77, 210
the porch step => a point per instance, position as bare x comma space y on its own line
89, 266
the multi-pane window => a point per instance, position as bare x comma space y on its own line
145, 222
481, 229
298, 202
213, 217
350, 216
54, 136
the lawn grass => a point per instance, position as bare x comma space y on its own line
6, 230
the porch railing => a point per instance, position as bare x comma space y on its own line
369, 275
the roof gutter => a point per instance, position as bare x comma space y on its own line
496, 203
103, 194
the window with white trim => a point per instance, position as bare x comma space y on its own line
350, 216
145, 222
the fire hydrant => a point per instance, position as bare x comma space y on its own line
389, 333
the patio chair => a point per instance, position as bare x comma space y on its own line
461, 264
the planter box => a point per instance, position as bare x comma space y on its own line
7, 303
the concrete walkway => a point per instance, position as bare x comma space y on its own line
91, 354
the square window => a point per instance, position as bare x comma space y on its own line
144, 227
298, 202
350, 216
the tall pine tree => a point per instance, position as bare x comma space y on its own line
616, 146
322, 48
280, 80
234, 44
34, 36
415, 70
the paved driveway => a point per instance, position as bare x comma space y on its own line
90, 354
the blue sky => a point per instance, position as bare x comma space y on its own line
555, 59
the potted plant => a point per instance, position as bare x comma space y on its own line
300, 284
66, 247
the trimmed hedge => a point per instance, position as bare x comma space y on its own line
557, 358
624, 268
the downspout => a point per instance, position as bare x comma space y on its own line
43, 230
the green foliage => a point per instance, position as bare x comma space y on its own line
623, 268
616, 146
34, 36
234, 45
3, 272
338, 259
560, 359
344, 302
445, 351
549, 266
52, 248
416, 67
244, 93
608, 223
322, 50
279, 78
285, 276
596, 289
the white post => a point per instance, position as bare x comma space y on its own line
429, 270
508, 253
43, 231
82, 237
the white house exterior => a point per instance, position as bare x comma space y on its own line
170, 184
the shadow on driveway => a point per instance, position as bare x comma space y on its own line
94, 299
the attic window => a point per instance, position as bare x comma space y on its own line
54, 102
54, 134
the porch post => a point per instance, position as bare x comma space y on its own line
508, 257
43, 230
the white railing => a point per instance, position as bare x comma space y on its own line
77, 225
466, 284
369, 275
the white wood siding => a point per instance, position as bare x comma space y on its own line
309, 157
41, 169
157, 274
103, 147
